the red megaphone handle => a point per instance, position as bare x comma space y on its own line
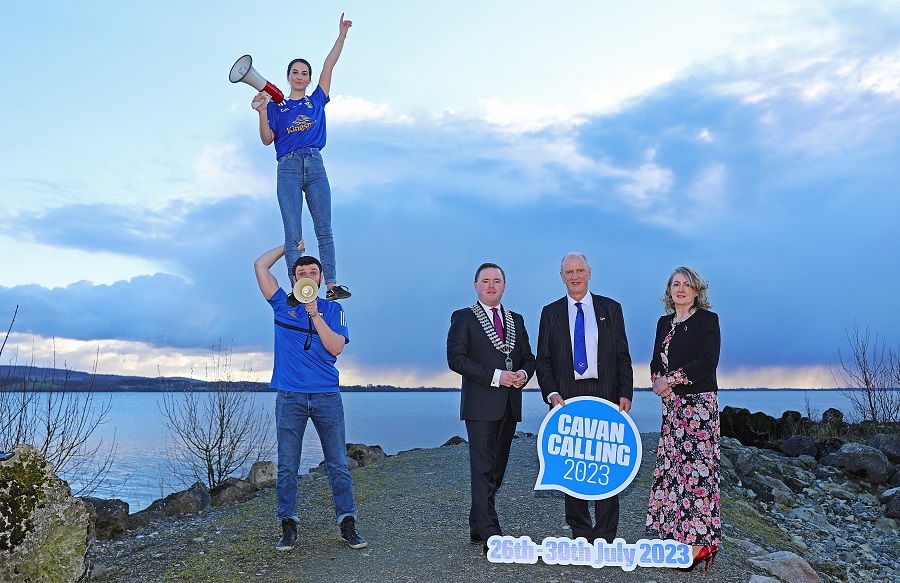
275, 93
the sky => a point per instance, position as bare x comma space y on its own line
756, 142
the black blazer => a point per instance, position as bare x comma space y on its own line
471, 354
555, 369
694, 350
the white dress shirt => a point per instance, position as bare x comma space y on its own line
591, 335
495, 382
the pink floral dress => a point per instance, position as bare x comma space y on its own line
684, 493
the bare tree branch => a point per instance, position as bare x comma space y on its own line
871, 375
219, 432
58, 418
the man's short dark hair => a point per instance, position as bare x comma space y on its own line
305, 260
484, 266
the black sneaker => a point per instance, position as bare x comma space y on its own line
337, 292
288, 535
349, 533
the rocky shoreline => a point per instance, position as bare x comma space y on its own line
839, 502
811, 509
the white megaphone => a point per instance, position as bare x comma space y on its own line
243, 71
306, 290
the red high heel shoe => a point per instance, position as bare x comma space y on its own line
707, 553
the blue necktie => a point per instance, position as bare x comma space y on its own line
579, 348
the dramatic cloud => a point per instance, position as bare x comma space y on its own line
771, 170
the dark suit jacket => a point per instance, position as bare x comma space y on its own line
695, 351
471, 354
555, 370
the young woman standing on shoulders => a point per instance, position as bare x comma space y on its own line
297, 127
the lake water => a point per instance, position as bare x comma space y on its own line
395, 421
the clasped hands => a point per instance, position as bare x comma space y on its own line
661, 387
515, 379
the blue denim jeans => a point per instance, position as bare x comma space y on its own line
292, 410
303, 171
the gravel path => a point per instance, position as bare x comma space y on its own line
414, 512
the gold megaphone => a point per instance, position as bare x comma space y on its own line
306, 290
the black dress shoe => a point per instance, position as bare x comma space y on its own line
475, 539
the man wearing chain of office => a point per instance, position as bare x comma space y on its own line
487, 344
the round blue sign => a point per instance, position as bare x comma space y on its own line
588, 449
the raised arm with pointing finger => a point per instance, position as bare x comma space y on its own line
297, 127
334, 55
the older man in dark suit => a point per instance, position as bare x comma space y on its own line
487, 344
583, 351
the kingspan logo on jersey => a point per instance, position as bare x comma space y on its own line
301, 124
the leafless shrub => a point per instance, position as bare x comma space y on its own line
218, 431
871, 377
47, 409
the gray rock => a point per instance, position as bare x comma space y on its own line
892, 504
812, 516
762, 579
861, 461
768, 489
194, 499
44, 529
809, 461
231, 491
787, 566
889, 444
745, 545
366, 455
455, 440
725, 462
832, 417
756, 429
781, 494
145, 518
101, 570
827, 446
791, 417
112, 517
747, 462
842, 494
883, 497
263, 474
798, 445
826, 473
311, 476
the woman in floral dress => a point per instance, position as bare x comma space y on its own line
684, 494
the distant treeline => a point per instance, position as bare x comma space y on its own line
46, 379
